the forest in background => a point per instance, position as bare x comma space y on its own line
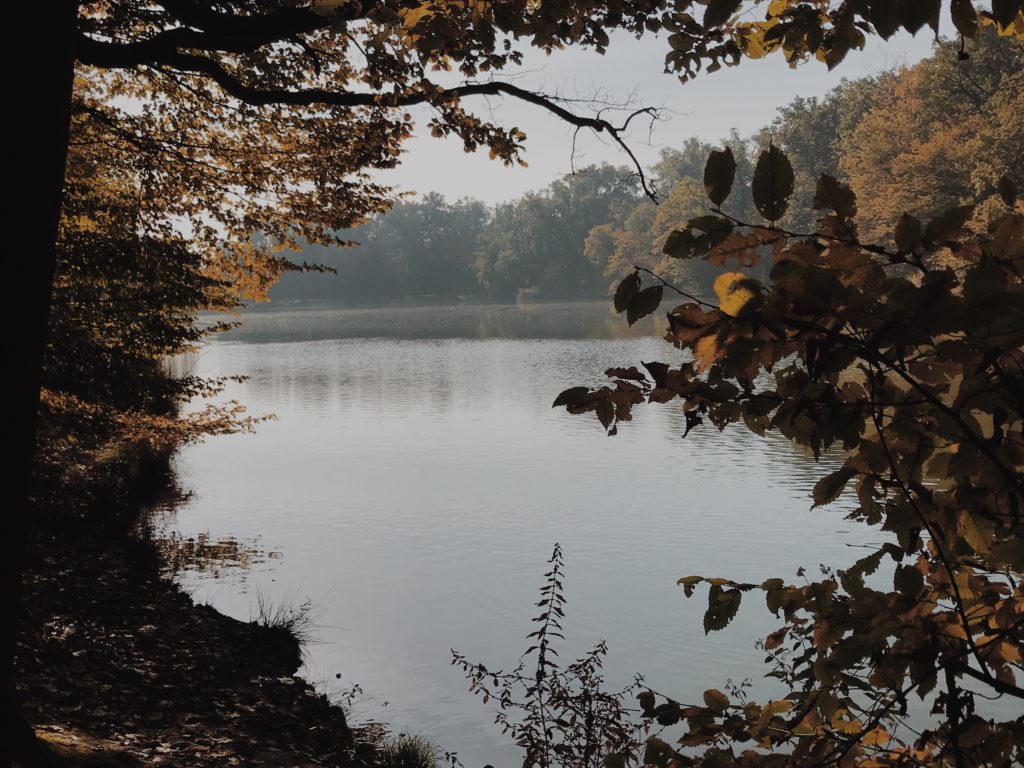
914, 139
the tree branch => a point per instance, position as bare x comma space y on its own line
100, 54
204, 29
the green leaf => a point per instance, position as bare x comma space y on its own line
719, 174
722, 607
828, 488
716, 700
947, 226
831, 194
626, 291
965, 17
720, 11
773, 183
572, 396
1007, 189
645, 302
909, 234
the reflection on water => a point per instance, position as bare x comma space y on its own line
579, 320
417, 478
206, 557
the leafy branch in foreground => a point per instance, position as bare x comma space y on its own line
907, 354
561, 716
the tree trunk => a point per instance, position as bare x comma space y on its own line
43, 118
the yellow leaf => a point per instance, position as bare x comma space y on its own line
734, 291
842, 725
704, 352
955, 630
876, 737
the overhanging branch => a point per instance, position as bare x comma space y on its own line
101, 54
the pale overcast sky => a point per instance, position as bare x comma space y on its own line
743, 97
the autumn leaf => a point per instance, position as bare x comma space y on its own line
722, 607
716, 700
627, 289
735, 291
719, 11
831, 194
705, 351
643, 303
828, 488
909, 234
773, 183
719, 174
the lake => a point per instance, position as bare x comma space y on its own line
416, 478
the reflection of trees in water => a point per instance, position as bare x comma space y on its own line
411, 355
546, 320
212, 557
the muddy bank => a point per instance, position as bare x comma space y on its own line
117, 666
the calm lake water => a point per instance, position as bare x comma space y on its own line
415, 481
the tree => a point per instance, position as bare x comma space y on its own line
245, 117
425, 247
123, 303
535, 245
916, 370
809, 131
938, 134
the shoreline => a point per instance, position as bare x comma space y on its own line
118, 666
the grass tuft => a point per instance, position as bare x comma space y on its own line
298, 620
408, 751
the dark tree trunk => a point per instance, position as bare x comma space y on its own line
43, 118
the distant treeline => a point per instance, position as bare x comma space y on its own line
916, 139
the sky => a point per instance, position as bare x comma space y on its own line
708, 107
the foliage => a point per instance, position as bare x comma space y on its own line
124, 300
425, 247
536, 245
918, 139
938, 134
802, 29
915, 369
961, 127
560, 716
248, 117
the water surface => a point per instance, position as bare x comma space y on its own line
415, 481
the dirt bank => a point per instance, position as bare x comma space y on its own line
117, 666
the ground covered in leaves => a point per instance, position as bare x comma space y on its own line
118, 667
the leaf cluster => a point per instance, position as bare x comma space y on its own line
915, 369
